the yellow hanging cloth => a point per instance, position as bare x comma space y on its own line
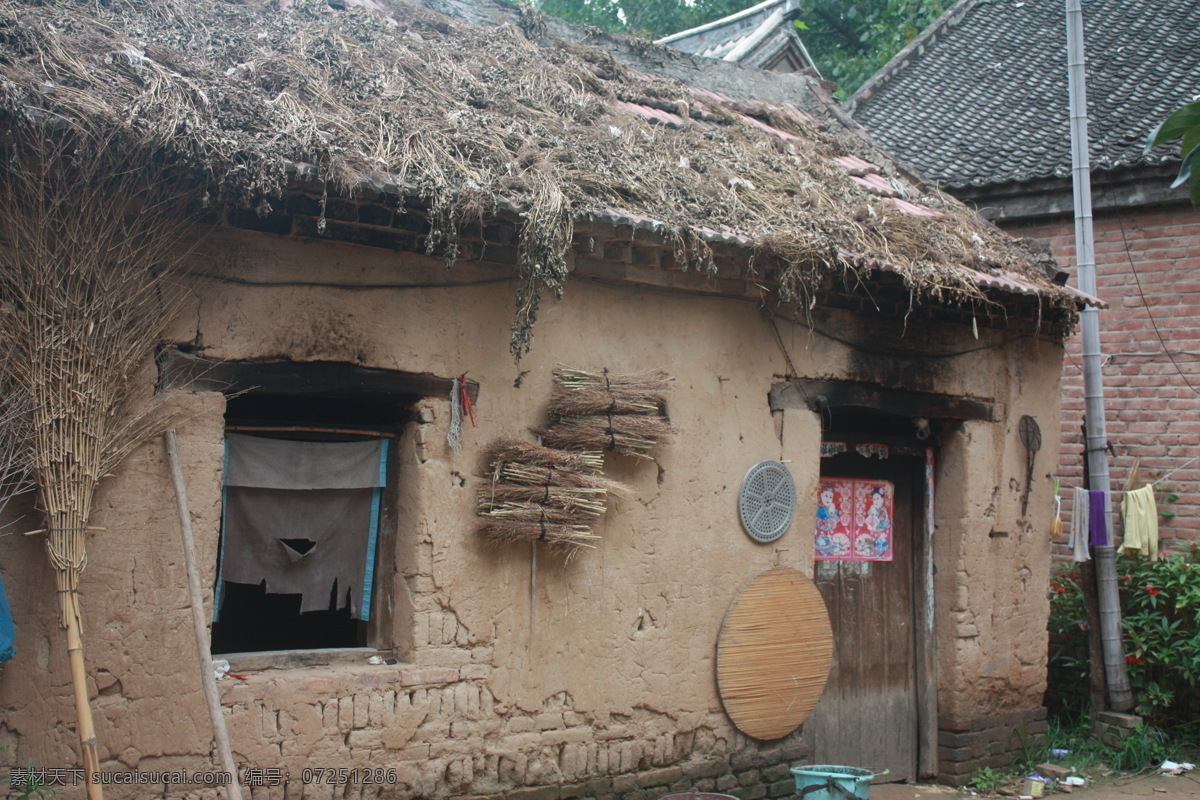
1141, 522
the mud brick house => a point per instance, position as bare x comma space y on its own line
372, 188
978, 102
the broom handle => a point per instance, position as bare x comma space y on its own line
233, 791
83, 709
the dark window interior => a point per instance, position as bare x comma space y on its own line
252, 620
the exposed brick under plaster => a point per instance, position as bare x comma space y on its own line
967, 745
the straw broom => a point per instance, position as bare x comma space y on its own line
14, 457
90, 234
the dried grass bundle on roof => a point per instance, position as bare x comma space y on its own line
475, 122
541, 494
608, 411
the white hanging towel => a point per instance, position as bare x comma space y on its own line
1080, 518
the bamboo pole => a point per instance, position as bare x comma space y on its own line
1119, 693
83, 709
233, 791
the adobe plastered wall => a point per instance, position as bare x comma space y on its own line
609, 671
1152, 403
992, 560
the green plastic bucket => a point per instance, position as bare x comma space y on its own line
831, 782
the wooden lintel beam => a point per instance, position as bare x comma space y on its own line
819, 395
179, 370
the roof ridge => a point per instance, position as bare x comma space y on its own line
757, 37
716, 23
950, 17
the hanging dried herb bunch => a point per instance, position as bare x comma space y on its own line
606, 411
537, 493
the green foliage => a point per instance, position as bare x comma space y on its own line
1068, 632
848, 39
1160, 618
1073, 732
1145, 746
650, 18
29, 785
986, 780
1184, 125
851, 39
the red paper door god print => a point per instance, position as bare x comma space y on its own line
835, 519
854, 520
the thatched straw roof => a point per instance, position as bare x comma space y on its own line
472, 118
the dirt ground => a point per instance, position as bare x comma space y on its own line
1161, 787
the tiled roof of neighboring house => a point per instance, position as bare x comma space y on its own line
759, 36
980, 97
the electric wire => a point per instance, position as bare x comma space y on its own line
342, 285
1145, 303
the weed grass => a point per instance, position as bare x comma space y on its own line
1087, 756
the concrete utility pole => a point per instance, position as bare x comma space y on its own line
1119, 695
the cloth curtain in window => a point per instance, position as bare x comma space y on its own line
300, 516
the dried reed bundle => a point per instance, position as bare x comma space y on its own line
607, 411
515, 451
527, 475
630, 434
92, 231
580, 402
580, 390
570, 498
517, 524
537, 493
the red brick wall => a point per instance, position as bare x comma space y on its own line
1152, 412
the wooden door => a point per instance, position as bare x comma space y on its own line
868, 715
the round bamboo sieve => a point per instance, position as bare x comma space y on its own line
773, 654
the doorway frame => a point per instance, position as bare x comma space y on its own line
819, 395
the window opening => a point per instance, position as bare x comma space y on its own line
301, 518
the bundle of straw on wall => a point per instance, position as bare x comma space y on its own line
537, 493
514, 452
605, 411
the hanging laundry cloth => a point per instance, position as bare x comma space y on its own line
1098, 518
8, 633
1140, 513
1078, 535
